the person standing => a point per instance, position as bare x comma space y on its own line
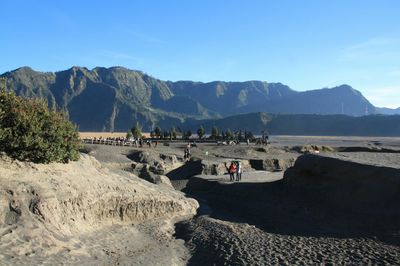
232, 171
239, 171
188, 153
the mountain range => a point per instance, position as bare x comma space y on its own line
112, 99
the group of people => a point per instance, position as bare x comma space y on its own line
120, 141
235, 168
264, 140
107, 141
140, 142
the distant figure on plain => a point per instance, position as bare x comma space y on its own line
232, 171
187, 152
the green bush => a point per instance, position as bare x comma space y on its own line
29, 131
137, 131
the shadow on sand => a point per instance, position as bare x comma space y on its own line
280, 208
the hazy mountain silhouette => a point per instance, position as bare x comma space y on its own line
388, 111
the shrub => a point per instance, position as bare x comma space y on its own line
129, 134
200, 132
229, 134
29, 131
137, 131
214, 133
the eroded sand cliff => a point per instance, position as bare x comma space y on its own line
56, 209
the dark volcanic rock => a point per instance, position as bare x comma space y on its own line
140, 157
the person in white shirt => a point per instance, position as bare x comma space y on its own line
239, 171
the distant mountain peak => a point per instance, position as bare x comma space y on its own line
24, 69
346, 88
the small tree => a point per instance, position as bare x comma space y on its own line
173, 133
229, 134
129, 134
166, 134
200, 132
157, 131
137, 130
214, 133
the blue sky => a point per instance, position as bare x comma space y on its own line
304, 44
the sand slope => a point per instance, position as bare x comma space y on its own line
52, 213
219, 242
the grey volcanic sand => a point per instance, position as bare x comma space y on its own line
220, 242
345, 141
372, 158
223, 236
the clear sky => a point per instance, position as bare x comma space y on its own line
304, 44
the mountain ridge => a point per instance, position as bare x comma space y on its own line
108, 99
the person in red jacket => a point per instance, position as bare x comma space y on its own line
232, 171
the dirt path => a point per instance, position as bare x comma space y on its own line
247, 177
